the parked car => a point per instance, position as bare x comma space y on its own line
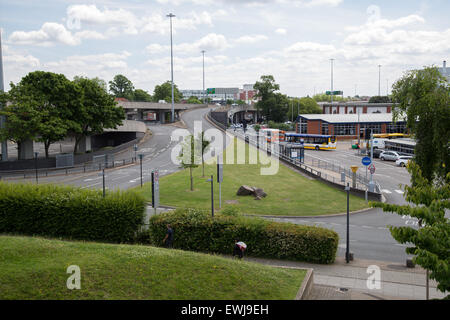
402, 161
376, 153
389, 155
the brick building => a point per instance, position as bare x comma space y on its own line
355, 107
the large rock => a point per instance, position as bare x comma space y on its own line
245, 191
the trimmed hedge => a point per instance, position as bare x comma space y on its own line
196, 230
69, 212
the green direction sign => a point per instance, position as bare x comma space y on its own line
334, 93
211, 90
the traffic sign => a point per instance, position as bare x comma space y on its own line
334, 93
366, 161
211, 90
372, 168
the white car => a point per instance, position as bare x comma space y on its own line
402, 161
389, 155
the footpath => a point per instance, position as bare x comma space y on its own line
342, 281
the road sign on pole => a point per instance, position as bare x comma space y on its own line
366, 161
372, 168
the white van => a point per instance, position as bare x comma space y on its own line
377, 143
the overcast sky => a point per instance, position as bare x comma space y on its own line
291, 39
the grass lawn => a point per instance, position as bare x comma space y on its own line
288, 193
35, 268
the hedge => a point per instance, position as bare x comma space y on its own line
196, 230
70, 212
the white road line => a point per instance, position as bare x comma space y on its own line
386, 191
399, 191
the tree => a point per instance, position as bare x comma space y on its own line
423, 96
322, 97
305, 105
141, 95
229, 102
50, 99
190, 155
164, 92
98, 111
379, 99
431, 242
193, 100
205, 146
121, 87
272, 104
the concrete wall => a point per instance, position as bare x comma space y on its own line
220, 116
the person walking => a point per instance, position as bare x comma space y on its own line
168, 239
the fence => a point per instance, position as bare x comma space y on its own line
48, 172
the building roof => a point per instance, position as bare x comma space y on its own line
154, 105
351, 118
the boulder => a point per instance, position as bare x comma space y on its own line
245, 191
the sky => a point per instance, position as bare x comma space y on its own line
293, 40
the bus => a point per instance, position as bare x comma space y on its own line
312, 141
273, 135
391, 135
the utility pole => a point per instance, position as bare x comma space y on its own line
2, 118
331, 80
203, 52
170, 15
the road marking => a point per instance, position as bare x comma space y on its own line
386, 191
399, 191
366, 227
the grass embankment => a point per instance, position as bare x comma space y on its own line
288, 193
35, 268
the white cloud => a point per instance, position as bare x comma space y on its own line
49, 34
210, 42
281, 31
250, 39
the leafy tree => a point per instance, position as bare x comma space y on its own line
240, 102
193, 100
272, 104
431, 242
190, 155
164, 92
229, 101
305, 105
50, 99
379, 99
121, 87
322, 97
98, 111
141, 95
423, 96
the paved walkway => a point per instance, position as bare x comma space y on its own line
342, 281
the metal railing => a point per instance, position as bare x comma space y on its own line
48, 172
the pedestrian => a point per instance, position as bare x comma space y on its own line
239, 248
168, 239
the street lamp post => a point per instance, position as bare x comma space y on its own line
203, 52
170, 15
212, 195
140, 160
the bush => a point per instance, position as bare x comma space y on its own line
196, 230
69, 212
280, 126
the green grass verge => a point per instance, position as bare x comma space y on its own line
289, 193
35, 268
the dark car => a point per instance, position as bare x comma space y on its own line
376, 152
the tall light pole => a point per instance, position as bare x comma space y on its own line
170, 15
331, 80
203, 52
2, 118
387, 87
379, 80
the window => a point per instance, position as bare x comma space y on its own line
375, 127
324, 128
303, 126
346, 129
399, 127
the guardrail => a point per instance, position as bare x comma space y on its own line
46, 172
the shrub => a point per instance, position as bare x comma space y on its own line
196, 230
69, 212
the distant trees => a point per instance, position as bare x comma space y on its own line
141, 95
305, 105
164, 92
193, 100
379, 99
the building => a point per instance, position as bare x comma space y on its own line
445, 71
247, 93
355, 107
347, 126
